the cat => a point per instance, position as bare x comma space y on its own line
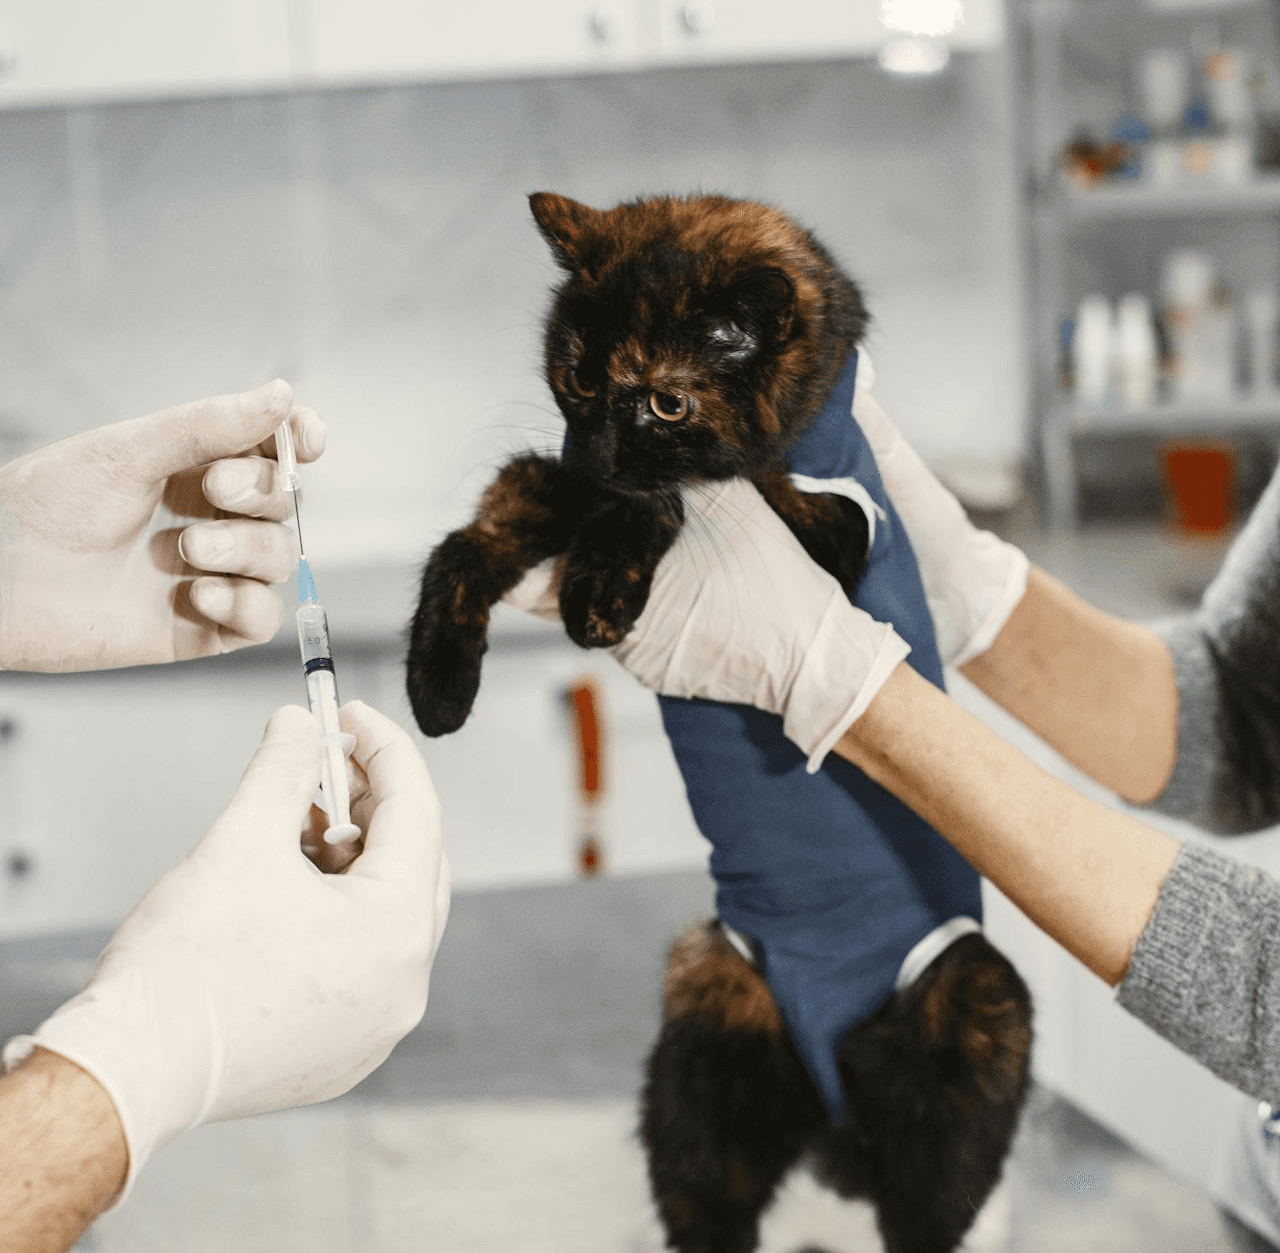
697, 339
693, 339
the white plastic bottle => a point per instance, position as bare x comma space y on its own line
1091, 348
1262, 310
1134, 354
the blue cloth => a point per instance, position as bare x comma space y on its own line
831, 876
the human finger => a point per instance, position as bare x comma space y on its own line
276, 790
194, 434
309, 431
402, 836
249, 548
245, 611
247, 485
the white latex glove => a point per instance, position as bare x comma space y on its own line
246, 980
115, 547
972, 579
740, 614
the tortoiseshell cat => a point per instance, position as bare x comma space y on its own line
696, 339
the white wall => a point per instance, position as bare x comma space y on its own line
374, 247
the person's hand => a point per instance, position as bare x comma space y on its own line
972, 580
246, 980
150, 540
739, 613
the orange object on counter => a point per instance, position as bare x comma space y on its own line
584, 703
1200, 480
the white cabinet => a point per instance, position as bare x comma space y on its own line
750, 30
106, 780
70, 51
354, 41
65, 51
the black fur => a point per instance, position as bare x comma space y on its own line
934, 1081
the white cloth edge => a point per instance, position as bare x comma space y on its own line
941, 938
848, 487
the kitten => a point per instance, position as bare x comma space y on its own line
697, 339
691, 340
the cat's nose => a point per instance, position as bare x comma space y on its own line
602, 452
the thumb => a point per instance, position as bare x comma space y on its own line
279, 783
194, 434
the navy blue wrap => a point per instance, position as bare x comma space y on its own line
833, 878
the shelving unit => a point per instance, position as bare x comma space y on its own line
1076, 69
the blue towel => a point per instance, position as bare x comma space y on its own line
833, 878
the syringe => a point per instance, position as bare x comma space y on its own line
317, 668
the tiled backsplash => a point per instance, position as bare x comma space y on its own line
375, 248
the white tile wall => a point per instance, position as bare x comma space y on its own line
375, 248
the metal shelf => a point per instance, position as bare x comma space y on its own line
1242, 413
1143, 200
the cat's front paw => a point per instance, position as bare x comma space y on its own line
599, 607
447, 639
442, 679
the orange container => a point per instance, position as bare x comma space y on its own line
1200, 480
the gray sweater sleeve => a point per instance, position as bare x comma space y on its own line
1226, 660
1205, 973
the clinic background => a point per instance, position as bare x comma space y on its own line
195, 198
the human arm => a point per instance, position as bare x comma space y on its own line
1100, 689
149, 540
1086, 874
1191, 937
1182, 714
246, 980
63, 1155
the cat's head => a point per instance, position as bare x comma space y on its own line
692, 338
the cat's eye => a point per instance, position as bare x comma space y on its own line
581, 386
670, 406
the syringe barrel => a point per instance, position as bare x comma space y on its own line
313, 638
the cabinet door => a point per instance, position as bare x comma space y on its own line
731, 30
357, 41
107, 780
60, 51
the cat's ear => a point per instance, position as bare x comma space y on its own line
569, 227
763, 303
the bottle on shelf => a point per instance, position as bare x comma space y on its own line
1091, 351
1261, 313
1199, 327
1134, 357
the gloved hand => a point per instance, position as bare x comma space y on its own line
739, 613
246, 980
113, 550
972, 580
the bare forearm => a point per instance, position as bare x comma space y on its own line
63, 1155
1101, 690
1087, 875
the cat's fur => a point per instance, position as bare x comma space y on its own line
696, 339
934, 1083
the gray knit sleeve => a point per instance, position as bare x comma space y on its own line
1205, 973
1226, 660
1226, 777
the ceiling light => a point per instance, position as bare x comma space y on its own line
929, 18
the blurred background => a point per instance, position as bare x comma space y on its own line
1063, 214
